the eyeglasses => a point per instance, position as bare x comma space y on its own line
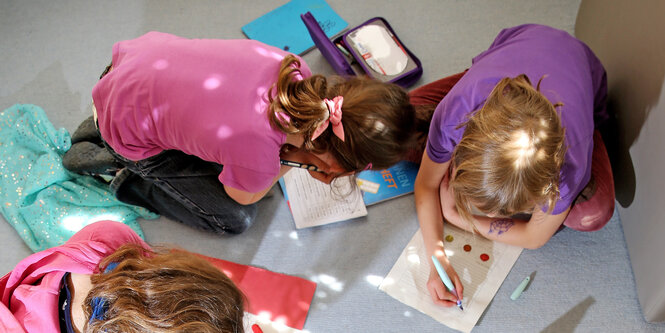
310, 167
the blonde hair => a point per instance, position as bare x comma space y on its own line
510, 155
164, 291
378, 118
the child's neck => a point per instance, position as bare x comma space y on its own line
80, 285
295, 140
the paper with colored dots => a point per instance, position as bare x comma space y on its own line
481, 264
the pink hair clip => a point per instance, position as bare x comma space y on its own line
333, 117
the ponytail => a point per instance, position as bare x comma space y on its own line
379, 121
298, 103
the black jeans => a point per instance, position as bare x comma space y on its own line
184, 188
181, 187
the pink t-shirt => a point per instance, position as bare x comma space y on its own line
204, 97
30, 292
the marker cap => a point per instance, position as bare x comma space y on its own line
518, 291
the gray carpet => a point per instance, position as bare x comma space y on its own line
53, 51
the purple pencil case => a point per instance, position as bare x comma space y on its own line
371, 49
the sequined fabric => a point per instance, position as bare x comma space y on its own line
44, 202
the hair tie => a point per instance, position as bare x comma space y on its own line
100, 304
99, 307
332, 117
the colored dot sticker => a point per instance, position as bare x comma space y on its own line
467, 248
484, 257
449, 238
256, 329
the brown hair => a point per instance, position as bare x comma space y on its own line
511, 153
164, 291
378, 119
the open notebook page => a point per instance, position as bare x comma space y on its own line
481, 264
314, 203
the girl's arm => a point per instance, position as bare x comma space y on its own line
325, 164
430, 217
530, 234
247, 198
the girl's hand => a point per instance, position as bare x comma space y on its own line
322, 176
329, 169
438, 292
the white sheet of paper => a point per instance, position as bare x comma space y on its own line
266, 325
314, 203
407, 280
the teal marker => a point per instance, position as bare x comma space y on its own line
518, 291
446, 280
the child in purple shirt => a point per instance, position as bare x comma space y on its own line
198, 127
510, 146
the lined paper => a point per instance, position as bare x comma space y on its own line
314, 203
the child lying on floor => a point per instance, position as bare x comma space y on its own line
106, 279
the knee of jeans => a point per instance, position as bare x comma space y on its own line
238, 221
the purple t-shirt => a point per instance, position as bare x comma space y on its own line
574, 77
204, 97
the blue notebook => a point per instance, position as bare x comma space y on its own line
381, 185
283, 27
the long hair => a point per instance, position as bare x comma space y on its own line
164, 291
378, 119
510, 155
424, 114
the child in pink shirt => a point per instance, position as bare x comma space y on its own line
101, 279
200, 126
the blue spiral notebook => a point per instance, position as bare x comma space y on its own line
283, 27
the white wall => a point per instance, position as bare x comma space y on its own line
629, 38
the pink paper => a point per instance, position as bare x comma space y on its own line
282, 298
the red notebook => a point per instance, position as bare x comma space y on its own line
285, 298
